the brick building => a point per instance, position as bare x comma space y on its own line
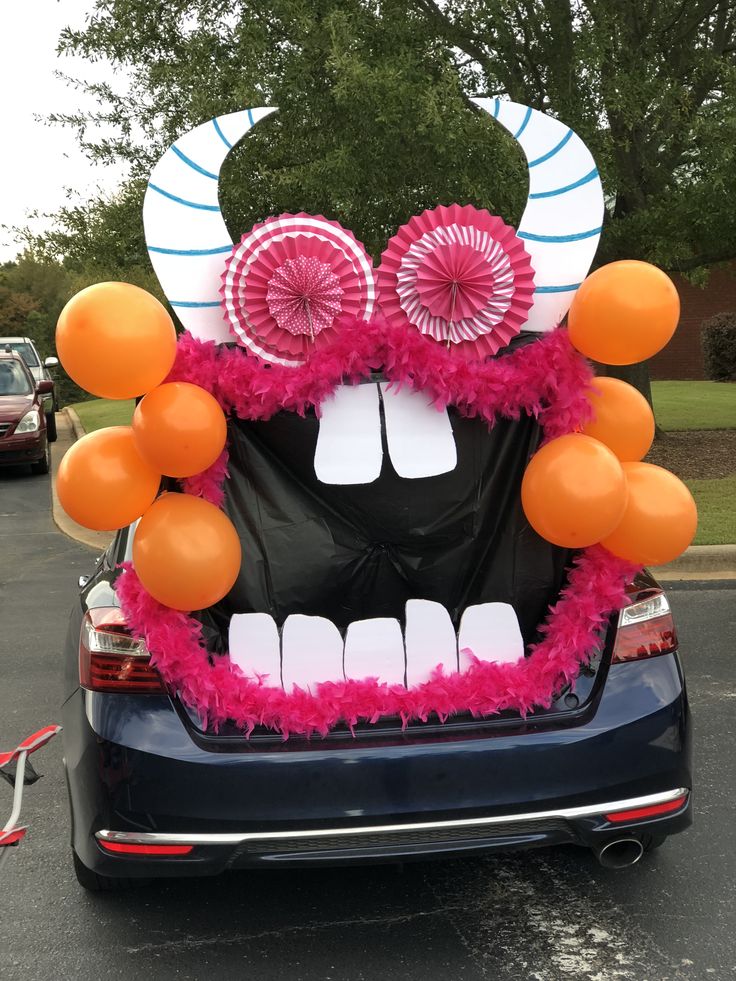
683, 358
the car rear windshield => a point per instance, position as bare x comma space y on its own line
25, 351
13, 379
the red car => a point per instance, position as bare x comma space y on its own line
23, 437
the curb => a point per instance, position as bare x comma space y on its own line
698, 562
70, 429
75, 421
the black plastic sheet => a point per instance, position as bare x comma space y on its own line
360, 551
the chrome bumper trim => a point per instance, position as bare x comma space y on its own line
237, 838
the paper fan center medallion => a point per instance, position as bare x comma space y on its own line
303, 295
454, 281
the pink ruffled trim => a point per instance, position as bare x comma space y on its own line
547, 378
217, 690
209, 484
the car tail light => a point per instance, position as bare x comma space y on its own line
645, 629
653, 810
110, 659
122, 848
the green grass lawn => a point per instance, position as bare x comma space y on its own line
682, 405
694, 404
99, 413
716, 500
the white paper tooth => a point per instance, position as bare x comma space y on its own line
430, 640
311, 651
491, 631
420, 439
254, 645
375, 649
349, 447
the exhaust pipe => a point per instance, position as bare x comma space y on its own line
620, 853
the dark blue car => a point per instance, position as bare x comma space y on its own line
155, 793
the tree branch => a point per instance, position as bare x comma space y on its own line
706, 259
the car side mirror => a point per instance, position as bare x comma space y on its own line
45, 387
51, 363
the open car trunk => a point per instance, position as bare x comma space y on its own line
356, 552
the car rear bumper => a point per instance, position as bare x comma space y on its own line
134, 771
591, 825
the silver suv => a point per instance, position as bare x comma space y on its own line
25, 347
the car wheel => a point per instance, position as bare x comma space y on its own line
44, 464
51, 426
94, 882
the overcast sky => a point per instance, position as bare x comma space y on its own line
39, 162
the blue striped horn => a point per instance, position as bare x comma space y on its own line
185, 232
563, 217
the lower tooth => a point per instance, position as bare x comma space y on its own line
375, 649
491, 632
254, 645
311, 651
430, 641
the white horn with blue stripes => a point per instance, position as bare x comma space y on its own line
186, 235
563, 217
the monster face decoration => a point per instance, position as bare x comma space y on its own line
380, 423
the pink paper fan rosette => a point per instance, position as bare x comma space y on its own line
288, 281
460, 275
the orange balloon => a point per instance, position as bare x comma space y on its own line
186, 552
624, 312
179, 429
116, 340
623, 418
660, 519
574, 491
103, 482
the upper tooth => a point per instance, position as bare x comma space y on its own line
420, 439
349, 447
311, 651
430, 641
254, 645
491, 632
375, 649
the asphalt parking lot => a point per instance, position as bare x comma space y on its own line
546, 915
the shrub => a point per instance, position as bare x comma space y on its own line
67, 391
718, 338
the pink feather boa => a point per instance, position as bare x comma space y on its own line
218, 690
547, 379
